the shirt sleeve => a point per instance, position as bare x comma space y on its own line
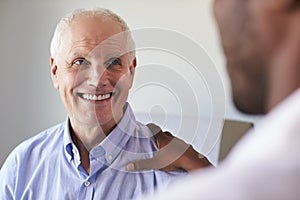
8, 178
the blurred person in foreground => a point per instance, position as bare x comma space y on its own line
92, 66
261, 43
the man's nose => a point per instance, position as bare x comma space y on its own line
98, 76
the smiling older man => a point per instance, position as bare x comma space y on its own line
92, 66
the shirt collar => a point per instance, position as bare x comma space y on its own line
112, 145
115, 142
68, 143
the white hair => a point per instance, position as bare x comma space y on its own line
65, 22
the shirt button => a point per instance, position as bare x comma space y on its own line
109, 157
86, 183
75, 151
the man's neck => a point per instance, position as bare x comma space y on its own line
284, 76
86, 137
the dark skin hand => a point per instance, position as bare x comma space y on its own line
173, 155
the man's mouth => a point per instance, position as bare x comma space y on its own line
94, 97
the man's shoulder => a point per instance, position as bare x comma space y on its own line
41, 141
25, 160
49, 133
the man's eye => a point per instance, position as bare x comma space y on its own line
114, 61
80, 62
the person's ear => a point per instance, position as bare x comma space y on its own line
284, 5
54, 72
132, 70
133, 65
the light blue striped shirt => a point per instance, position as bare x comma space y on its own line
47, 166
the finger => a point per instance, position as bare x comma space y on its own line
151, 164
154, 128
167, 133
140, 165
164, 160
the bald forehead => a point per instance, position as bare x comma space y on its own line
91, 31
97, 27
95, 35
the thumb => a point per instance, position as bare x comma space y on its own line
140, 165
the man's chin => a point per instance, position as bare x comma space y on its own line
249, 107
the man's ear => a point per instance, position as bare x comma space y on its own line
54, 72
132, 70
294, 4
132, 66
284, 5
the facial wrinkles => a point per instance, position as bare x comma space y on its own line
104, 79
82, 47
85, 41
88, 48
115, 45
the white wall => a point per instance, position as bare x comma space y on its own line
30, 104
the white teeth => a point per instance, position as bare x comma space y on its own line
85, 96
102, 97
95, 97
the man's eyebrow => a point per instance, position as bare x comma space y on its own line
77, 54
115, 55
